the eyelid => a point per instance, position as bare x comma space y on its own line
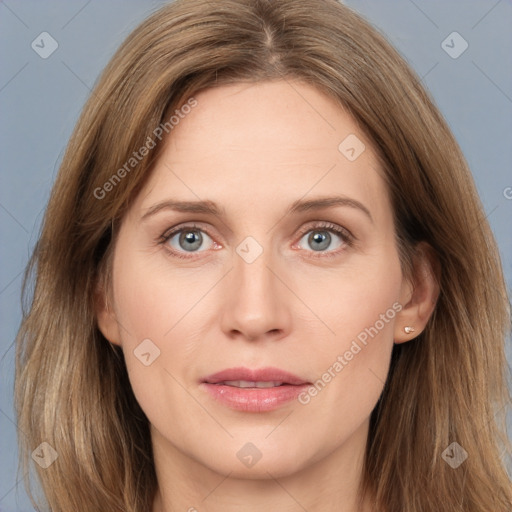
182, 227
327, 226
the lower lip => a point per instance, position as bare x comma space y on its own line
254, 399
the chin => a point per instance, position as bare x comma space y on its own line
259, 460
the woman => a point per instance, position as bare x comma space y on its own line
264, 277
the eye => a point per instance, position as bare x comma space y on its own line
187, 239
326, 238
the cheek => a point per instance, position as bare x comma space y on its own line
353, 297
357, 306
142, 312
151, 298
346, 347
158, 308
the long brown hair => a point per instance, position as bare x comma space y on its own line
449, 385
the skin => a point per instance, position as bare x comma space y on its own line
254, 149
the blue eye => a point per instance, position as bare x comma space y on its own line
320, 239
187, 239
324, 240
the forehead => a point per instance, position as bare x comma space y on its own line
268, 118
265, 142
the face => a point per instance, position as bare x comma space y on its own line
292, 287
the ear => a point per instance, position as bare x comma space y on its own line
105, 315
418, 295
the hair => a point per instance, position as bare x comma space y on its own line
448, 385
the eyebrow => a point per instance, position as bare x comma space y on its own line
210, 208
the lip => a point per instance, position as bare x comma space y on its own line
254, 399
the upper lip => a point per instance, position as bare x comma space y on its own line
267, 374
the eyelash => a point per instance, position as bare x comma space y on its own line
347, 238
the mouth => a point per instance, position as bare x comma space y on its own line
249, 384
258, 390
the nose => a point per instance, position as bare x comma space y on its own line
256, 300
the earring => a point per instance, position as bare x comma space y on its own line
408, 329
